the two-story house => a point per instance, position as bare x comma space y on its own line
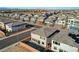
41, 36
62, 42
73, 25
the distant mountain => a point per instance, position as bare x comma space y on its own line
6, 8
47, 8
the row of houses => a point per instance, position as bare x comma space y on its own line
64, 20
10, 26
18, 16
71, 23
55, 40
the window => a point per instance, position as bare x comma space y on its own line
42, 38
34, 40
60, 50
71, 22
56, 43
55, 48
38, 42
63, 22
42, 42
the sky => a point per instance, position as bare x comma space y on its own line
39, 3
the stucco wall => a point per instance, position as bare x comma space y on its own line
37, 37
64, 47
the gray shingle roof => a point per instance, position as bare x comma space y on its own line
4, 20
63, 37
18, 23
45, 31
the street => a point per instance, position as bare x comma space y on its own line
15, 38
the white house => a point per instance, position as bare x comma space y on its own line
50, 20
26, 18
62, 42
61, 20
33, 20
7, 23
22, 17
41, 18
6, 14
11, 14
73, 25
14, 15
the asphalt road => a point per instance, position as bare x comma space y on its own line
14, 39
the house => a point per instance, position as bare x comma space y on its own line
1, 14
73, 25
41, 36
33, 20
18, 26
63, 42
40, 20
22, 17
62, 21
14, 15
6, 14
6, 24
18, 16
26, 18
55, 40
50, 20
11, 14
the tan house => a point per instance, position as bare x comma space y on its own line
41, 36
55, 40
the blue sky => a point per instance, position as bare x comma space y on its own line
66, 8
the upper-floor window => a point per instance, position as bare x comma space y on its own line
42, 38
35, 40
71, 22
56, 43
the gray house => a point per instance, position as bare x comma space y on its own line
18, 26
51, 20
